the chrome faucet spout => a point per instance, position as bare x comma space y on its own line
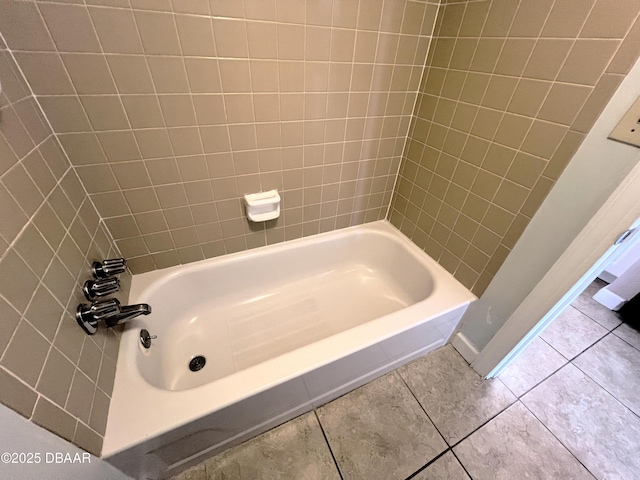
128, 312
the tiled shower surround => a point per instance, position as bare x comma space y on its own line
172, 111
510, 89
50, 232
159, 115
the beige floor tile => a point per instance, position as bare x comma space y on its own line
572, 332
516, 445
296, 449
599, 430
532, 366
614, 365
455, 397
380, 431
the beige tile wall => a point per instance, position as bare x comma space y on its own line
50, 370
510, 91
171, 111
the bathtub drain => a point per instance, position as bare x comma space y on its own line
197, 363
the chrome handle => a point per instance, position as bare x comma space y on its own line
104, 309
109, 267
88, 316
100, 288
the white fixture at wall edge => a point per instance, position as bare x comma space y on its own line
609, 299
262, 206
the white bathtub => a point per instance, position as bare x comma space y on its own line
283, 328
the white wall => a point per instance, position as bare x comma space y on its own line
18, 435
596, 170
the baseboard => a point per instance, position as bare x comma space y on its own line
606, 297
464, 347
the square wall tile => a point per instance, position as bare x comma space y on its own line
46, 73
158, 33
16, 395
116, 29
71, 27
54, 419
89, 73
26, 367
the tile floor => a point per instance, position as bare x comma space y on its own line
563, 410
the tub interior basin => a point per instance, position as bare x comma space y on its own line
243, 311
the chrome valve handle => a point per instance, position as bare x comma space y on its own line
107, 268
100, 288
88, 316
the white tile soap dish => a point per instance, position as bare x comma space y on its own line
262, 206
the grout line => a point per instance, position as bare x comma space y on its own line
195, 116
284, 61
461, 464
551, 346
325, 119
596, 381
164, 123
420, 404
538, 383
226, 124
589, 345
484, 423
554, 436
430, 462
350, 92
328, 444
418, 100
452, 445
624, 339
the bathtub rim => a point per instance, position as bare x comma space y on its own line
450, 296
